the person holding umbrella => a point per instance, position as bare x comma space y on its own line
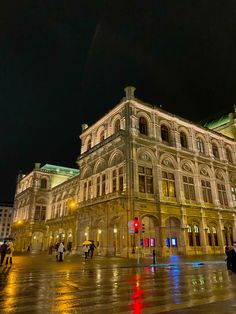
86, 244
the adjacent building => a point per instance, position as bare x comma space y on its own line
176, 177
6, 215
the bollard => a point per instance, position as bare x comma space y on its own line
153, 257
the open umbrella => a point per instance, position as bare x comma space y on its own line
86, 242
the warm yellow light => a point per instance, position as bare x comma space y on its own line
19, 222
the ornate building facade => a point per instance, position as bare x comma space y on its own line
178, 178
36, 203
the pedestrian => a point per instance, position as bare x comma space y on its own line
232, 258
9, 252
28, 249
56, 250
3, 250
50, 249
227, 250
61, 252
85, 250
91, 249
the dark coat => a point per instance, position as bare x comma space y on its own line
3, 248
232, 260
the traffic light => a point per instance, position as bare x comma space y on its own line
136, 225
143, 228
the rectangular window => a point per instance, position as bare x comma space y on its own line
168, 184
98, 186
103, 184
222, 194
37, 213
206, 191
114, 180
43, 213
121, 179
233, 193
145, 180
189, 191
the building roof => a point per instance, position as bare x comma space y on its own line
59, 169
216, 122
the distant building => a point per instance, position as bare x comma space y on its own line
176, 177
6, 215
34, 204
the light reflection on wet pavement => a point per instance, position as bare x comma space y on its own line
39, 284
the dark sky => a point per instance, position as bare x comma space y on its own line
67, 63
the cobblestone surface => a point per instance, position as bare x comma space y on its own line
39, 284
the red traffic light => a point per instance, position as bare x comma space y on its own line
136, 225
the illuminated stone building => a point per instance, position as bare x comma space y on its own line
178, 178
35, 204
6, 214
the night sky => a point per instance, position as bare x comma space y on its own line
67, 63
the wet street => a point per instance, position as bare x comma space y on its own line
39, 284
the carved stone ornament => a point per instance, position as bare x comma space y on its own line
187, 168
167, 163
219, 175
204, 172
233, 178
144, 157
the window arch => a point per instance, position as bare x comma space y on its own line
200, 145
212, 236
215, 150
89, 144
117, 125
183, 140
102, 136
228, 155
143, 126
43, 183
165, 136
194, 235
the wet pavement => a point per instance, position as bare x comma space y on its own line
194, 285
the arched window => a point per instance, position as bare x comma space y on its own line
197, 235
89, 144
215, 151
212, 236
222, 193
190, 236
165, 134
43, 183
183, 140
229, 155
143, 128
117, 125
102, 136
200, 146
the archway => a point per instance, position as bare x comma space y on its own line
37, 241
173, 235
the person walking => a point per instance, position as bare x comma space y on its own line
91, 249
85, 250
3, 250
9, 252
61, 252
232, 258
